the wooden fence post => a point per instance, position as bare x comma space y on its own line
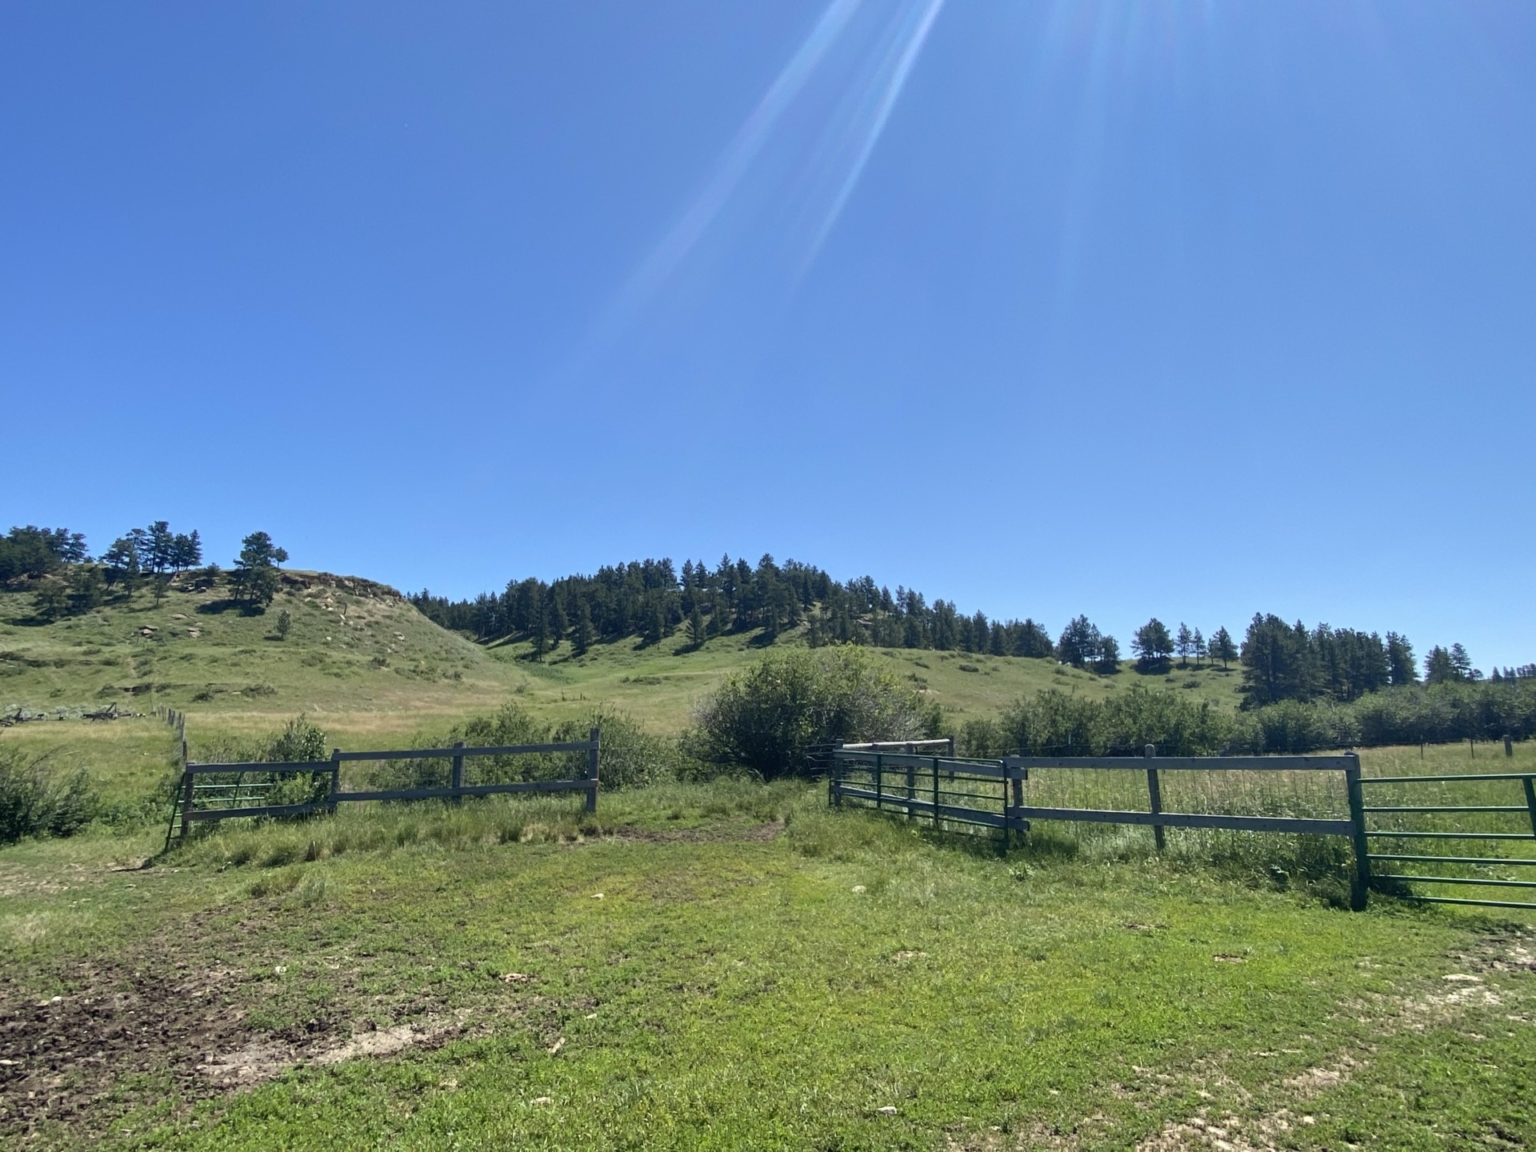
1509, 746
911, 781
1360, 890
458, 772
330, 800
186, 801
1530, 801
936, 794
1018, 793
595, 737
879, 780
1155, 795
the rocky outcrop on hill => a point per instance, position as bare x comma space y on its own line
356, 585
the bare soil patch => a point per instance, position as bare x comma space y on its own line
62, 1058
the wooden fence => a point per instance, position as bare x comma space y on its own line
208, 794
991, 794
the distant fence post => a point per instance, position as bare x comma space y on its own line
1509, 746
1155, 795
1360, 890
592, 768
911, 779
458, 771
1530, 801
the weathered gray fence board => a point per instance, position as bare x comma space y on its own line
465, 790
449, 753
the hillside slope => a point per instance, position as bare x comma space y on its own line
358, 654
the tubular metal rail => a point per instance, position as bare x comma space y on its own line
991, 793
251, 792
1482, 813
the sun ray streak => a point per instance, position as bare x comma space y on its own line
907, 58
743, 149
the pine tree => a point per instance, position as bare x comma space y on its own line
1199, 648
582, 640
1461, 662
1222, 647
1185, 644
1152, 644
186, 551
540, 632
162, 546
1438, 667
696, 627
255, 578
1107, 660
122, 562
87, 588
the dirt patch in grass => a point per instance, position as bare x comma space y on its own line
165, 1024
62, 1058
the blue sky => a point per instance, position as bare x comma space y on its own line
1189, 309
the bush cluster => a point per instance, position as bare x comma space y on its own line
1053, 723
38, 799
768, 716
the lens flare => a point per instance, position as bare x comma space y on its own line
777, 191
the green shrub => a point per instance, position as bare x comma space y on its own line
769, 715
37, 799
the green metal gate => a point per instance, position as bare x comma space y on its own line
1433, 812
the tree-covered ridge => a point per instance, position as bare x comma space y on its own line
651, 599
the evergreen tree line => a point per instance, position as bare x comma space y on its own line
68, 580
33, 552
652, 600
1292, 662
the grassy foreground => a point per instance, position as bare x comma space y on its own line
728, 966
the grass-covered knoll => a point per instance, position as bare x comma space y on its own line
350, 645
378, 670
730, 965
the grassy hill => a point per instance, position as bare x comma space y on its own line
365, 660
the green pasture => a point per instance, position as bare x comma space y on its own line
732, 965
377, 670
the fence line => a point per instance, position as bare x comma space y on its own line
1393, 882
199, 801
991, 794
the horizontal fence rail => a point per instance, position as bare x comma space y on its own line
991, 793
201, 798
1478, 824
